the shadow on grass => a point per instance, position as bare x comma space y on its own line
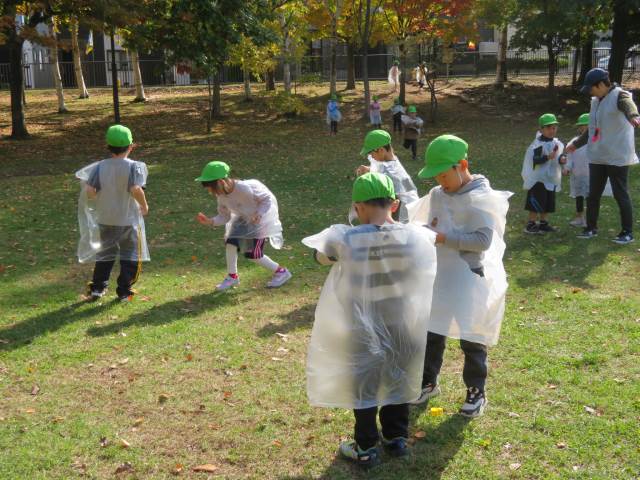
168, 312
294, 320
23, 333
428, 461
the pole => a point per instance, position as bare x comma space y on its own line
114, 78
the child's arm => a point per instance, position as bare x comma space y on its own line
629, 108
91, 192
138, 194
477, 241
323, 259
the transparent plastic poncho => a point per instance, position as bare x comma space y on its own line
394, 75
368, 339
578, 165
333, 112
111, 225
403, 185
249, 199
549, 172
465, 305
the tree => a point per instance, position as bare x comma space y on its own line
625, 33
77, 63
498, 14
424, 19
55, 65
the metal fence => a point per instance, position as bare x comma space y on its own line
315, 68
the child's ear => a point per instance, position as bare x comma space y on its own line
395, 205
464, 163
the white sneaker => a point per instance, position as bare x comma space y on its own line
429, 391
279, 279
228, 282
578, 222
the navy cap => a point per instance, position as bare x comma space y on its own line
592, 77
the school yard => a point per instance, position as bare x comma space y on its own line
183, 376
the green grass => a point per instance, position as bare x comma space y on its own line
232, 364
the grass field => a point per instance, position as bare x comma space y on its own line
184, 376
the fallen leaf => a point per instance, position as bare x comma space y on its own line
138, 421
551, 386
514, 466
3, 341
227, 394
277, 443
30, 410
514, 415
420, 434
276, 359
590, 410
189, 357
124, 443
561, 445
163, 397
283, 350
177, 469
104, 442
194, 258
35, 390
123, 361
206, 468
125, 467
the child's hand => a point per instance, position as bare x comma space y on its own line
362, 169
553, 153
440, 237
635, 121
256, 219
144, 209
566, 172
570, 148
563, 159
434, 222
203, 219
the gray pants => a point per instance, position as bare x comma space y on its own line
475, 369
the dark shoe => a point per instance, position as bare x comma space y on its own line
94, 293
125, 298
588, 234
544, 227
396, 447
623, 238
532, 228
430, 390
363, 458
474, 404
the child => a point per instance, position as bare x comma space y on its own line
542, 175
469, 292
397, 110
394, 75
112, 204
333, 114
367, 340
578, 167
610, 148
412, 129
249, 211
375, 117
382, 159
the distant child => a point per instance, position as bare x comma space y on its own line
377, 147
412, 125
112, 204
469, 219
397, 110
394, 75
368, 341
333, 114
249, 212
578, 167
375, 117
542, 175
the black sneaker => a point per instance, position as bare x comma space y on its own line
396, 447
588, 233
544, 227
93, 293
474, 404
532, 228
623, 238
363, 458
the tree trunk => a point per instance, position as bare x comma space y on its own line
403, 66
217, 105
619, 43
586, 60
77, 65
114, 79
16, 81
365, 58
55, 70
351, 66
246, 76
269, 80
501, 65
137, 77
576, 59
210, 102
286, 64
333, 75
552, 68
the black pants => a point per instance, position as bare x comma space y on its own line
413, 144
334, 126
475, 369
397, 122
618, 176
117, 241
393, 418
579, 204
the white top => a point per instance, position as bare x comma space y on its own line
403, 185
578, 165
550, 172
611, 136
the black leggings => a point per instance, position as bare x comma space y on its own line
393, 418
334, 126
580, 204
413, 144
618, 176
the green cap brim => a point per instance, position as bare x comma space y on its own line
550, 123
430, 172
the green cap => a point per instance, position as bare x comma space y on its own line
442, 153
333, 96
375, 97
213, 171
412, 109
374, 140
372, 185
119, 136
583, 119
396, 100
547, 119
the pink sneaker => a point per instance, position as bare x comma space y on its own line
228, 282
279, 278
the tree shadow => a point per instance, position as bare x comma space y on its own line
299, 318
23, 333
168, 312
429, 459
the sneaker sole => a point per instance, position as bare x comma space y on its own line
420, 400
618, 242
475, 413
269, 285
532, 233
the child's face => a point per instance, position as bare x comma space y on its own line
549, 131
413, 114
450, 180
582, 129
383, 155
599, 90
